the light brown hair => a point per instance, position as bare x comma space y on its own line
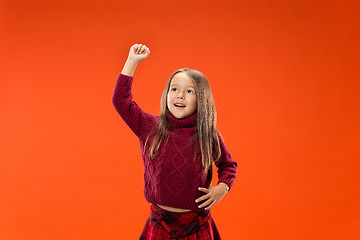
206, 120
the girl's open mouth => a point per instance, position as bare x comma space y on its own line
178, 105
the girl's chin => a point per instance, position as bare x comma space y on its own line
178, 115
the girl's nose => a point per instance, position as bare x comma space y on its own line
180, 95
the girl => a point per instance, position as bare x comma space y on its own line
178, 150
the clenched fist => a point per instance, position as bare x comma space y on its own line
139, 52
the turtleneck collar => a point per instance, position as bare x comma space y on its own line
187, 122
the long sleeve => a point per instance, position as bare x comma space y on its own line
139, 121
227, 166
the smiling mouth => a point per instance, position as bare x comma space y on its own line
178, 105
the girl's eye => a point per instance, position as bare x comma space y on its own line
173, 89
190, 91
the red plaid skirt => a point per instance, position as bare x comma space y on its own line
164, 225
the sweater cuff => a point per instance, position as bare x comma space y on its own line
126, 80
228, 181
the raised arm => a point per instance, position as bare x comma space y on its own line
138, 120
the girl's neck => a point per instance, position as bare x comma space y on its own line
187, 122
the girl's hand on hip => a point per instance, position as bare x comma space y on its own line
213, 194
138, 52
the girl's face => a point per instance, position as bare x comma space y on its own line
181, 98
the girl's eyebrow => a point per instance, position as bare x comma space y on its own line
189, 86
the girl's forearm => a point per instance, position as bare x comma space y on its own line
129, 67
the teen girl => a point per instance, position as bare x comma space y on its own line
178, 150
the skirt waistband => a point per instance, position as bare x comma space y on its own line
179, 224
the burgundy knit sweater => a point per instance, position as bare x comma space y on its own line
173, 177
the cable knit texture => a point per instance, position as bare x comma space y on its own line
172, 178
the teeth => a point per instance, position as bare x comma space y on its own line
179, 105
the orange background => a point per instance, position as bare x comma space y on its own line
284, 75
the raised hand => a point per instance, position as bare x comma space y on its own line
138, 52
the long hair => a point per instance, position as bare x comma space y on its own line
206, 120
